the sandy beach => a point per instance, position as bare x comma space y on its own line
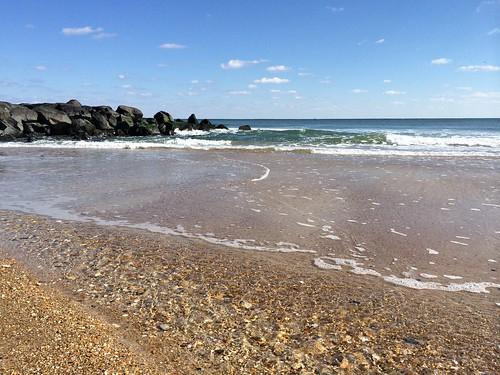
210, 262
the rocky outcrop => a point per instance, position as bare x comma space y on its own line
72, 119
245, 127
134, 113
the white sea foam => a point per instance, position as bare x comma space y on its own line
331, 237
421, 140
409, 282
432, 252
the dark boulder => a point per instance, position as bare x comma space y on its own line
4, 110
221, 126
23, 114
36, 127
101, 122
82, 128
58, 121
192, 120
183, 126
111, 115
10, 129
245, 127
165, 123
146, 126
74, 111
205, 125
132, 112
124, 124
74, 103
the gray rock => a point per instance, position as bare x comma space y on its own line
165, 123
124, 124
4, 111
245, 127
58, 121
147, 126
205, 125
101, 121
74, 102
134, 113
192, 120
82, 128
10, 129
221, 126
23, 114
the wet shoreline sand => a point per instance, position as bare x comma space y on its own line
198, 299
199, 308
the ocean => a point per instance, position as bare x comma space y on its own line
426, 137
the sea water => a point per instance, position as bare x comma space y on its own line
439, 137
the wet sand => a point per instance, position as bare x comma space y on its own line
200, 297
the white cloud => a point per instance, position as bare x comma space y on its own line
161, 65
359, 91
240, 92
292, 91
485, 94
78, 31
278, 68
442, 99
274, 80
104, 35
238, 64
394, 92
41, 68
441, 61
195, 81
252, 86
479, 68
126, 86
494, 31
274, 91
172, 46
484, 3
326, 81
380, 41
121, 76
464, 88
335, 9
304, 74
397, 102
387, 81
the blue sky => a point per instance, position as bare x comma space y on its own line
257, 59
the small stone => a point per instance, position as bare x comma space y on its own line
163, 327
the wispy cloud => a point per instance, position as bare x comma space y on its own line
304, 74
335, 9
239, 92
442, 99
278, 68
359, 91
494, 31
387, 81
252, 86
394, 92
78, 31
380, 41
121, 76
274, 80
172, 46
486, 3
441, 61
479, 68
94, 32
29, 26
161, 65
238, 64
41, 68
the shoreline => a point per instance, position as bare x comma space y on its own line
201, 293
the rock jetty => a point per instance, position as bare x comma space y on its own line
72, 119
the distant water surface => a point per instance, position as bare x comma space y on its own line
438, 137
